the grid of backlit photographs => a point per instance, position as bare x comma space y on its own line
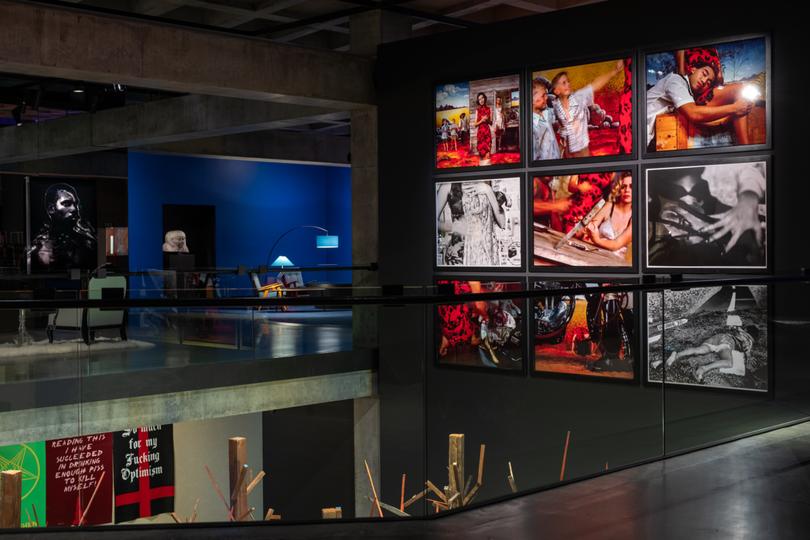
563, 199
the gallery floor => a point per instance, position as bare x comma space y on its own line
751, 488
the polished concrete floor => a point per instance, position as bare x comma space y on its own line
757, 488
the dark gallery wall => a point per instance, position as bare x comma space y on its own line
525, 419
255, 203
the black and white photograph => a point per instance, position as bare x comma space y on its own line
478, 223
62, 216
714, 337
707, 217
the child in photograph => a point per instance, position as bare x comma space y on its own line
571, 109
544, 141
483, 133
464, 129
697, 93
445, 134
454, 135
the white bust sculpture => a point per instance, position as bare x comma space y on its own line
175, 242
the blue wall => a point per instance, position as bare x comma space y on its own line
255, 203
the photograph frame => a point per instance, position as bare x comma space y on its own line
523, 216
613, 166
591, 160
636, 341
520, 164
523, 304
770, 347
682, 44
710, 160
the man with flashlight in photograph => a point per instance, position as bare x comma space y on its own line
696, 91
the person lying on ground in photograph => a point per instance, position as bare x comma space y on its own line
571, 109
612, 227
697, 93
544, 141
723, 345
483, 133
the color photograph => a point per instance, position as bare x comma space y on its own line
478, 223
583, 111
707, 97
481, 334
713, 337
707, 217
477, 123
589, 335
583, 220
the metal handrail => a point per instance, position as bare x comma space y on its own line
393, 295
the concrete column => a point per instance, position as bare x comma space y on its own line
366, 450
368, 30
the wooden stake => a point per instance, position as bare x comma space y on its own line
193, 517
219, 492
10, 499
565, 455
606, 465
458, 482
432, 487
36, 517
511, 479
92, 498
481, 463
373, 489
246, 514
269, 514
242, 476
402, 495
175, 518
237, 460
467, 486
415, 498
255, 482
455, 455
471, 495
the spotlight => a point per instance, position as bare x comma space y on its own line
78, 90
751, 92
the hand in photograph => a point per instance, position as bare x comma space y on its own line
743, 217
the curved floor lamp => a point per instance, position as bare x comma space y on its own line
322, 241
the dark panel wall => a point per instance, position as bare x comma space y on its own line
523, 419
309, 459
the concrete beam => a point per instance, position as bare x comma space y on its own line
268, 145
112, 163
156, 122
68, 44
101, 416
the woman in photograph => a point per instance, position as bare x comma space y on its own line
612, 228
483, 133
475, 211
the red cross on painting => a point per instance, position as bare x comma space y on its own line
153, 469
